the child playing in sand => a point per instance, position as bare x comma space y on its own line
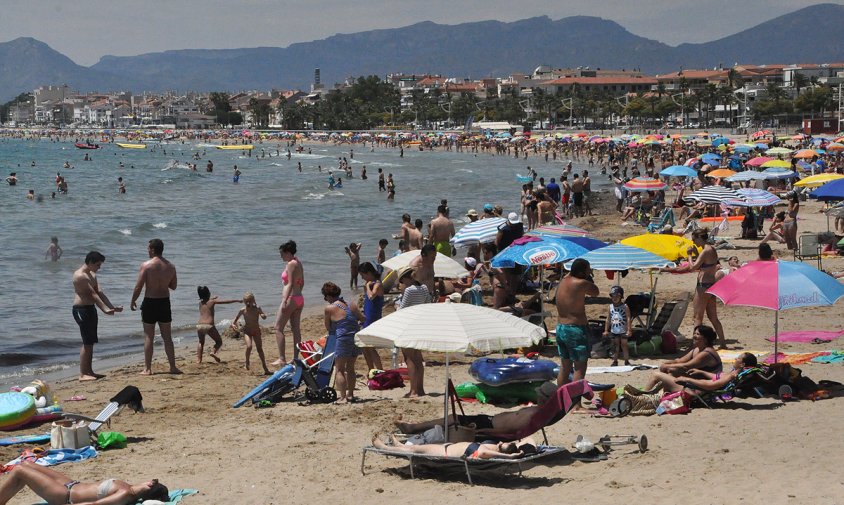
251, 329
618, 324
353, 251
205, 325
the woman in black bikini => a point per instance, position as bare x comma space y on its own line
702, 358
466, 450
706, 265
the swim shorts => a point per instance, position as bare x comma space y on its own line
443, 248
573, 342
86, 317
578, 199
156, 310
481, 422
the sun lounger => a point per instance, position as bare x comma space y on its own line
128, 396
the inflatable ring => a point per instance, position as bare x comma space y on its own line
16, 409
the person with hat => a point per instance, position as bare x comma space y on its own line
413, 293
488, 211
509, 231
618, 325
474, 250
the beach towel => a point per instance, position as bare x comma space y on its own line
808, 336
728, 356
176, 496
56, 457
832, 357
619, 369
796, 358
526, 239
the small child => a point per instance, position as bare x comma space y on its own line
54, 251
381, 254
205, 325
353, 251
251, 329
618, 324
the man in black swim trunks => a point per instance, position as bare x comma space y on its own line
88, 295
158, 276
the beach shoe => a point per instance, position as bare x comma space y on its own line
263, 404
614, 362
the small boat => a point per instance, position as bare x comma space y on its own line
237, 148
85, 145
132, 146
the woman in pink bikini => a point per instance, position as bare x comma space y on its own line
292, 301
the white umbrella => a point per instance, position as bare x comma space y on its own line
443, 265
450, 327
478, 232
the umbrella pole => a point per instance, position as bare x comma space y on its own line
445, 407
776, 334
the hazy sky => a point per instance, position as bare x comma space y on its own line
84, 30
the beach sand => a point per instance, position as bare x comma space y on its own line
749, 451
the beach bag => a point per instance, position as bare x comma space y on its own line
669, 342
389, 379
674, 403
111, 440
69, 435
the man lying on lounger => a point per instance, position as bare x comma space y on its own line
466, 450
502, 423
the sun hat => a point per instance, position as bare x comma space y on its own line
513, 218
472, 213
404, 272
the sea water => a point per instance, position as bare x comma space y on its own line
217, 233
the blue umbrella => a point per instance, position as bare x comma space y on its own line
830, 191
542, 251
678, 171
622, 257
479, 232
719, 141
742, 149
711, 159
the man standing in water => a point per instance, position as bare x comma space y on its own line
441, 231
87, 294
158, 276
573, 327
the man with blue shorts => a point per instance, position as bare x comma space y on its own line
573, 327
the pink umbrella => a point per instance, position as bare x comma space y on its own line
758, 161
690, 162
778, 285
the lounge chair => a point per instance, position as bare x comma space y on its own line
567, 397
809, 248
670, 317
130, 395
667, 218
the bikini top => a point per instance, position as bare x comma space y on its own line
284, 279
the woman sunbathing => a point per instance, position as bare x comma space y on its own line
701, 380
466, 450
701, 357
59, 489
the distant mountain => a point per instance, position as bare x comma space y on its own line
487, 48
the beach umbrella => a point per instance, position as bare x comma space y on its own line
747, 175
447, 328
830, 191
779, 173
559, 230
778, 150
481, 231
835, 146
678, 171
670, 247
616, 257
540, 251
758, 161
443, 265
642, 184
711, 159
754, 198
805, 154
814, 181
778, 285
691, 162
721, 173
714, 194
776, 164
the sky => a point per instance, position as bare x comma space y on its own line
85, 30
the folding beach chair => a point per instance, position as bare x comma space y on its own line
667, 218
809, 248
130, 395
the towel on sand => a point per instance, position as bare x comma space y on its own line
832, 357
618, 369
58, 456
176, 496
807, 336
795, 358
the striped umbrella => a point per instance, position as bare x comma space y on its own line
747, 175
779, 173
641, 184
617, 257
478, 232
714, 194
754, 198
559, 230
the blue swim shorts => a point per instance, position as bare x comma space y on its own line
573, 342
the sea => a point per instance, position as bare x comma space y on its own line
218, 233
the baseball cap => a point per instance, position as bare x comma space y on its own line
616, 290
470, 262
487, 207
472, 213
513, 218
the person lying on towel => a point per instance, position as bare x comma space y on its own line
465, 450
706, 381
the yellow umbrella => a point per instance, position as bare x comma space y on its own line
817, 180
776, 164
721, 173
670, 247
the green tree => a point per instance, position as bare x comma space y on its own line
221, 106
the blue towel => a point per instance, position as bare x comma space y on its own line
59, 456
176, 496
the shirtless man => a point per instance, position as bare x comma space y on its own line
417, 240
158, 276
442, 229
572, 325
404, 234
87, 295
577, 195
424, 267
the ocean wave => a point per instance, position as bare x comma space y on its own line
308, 156
26, 371
160, 225
167, 181
125, 231
468, 171
18, 358
277, 164
314, 196
385, 164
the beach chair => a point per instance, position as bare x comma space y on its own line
670, 316
130, 395
809, 247
473, 295
667, 218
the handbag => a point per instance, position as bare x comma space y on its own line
69, 435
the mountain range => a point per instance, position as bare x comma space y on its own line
474, 50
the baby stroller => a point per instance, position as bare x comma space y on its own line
313, 369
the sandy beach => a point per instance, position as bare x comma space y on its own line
190, 437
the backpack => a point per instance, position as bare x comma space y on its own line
389, 379
669, 342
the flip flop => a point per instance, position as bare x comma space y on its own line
76, 398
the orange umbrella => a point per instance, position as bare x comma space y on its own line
805, 153
721, 173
